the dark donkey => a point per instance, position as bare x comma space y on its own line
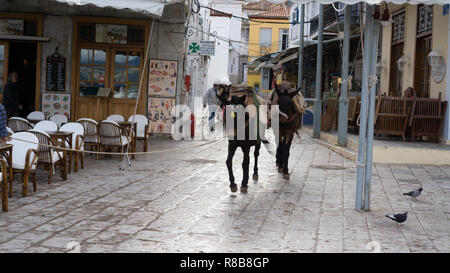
243, 96
289, 122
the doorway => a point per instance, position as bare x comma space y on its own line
22, 59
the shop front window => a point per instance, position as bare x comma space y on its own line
92, 69
126, 74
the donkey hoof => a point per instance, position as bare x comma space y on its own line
244, 189
255, 177
233, 188
286, 176
280, 170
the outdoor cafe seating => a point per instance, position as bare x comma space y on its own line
36, 145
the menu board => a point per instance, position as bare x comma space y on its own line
55, 103
56, 73
159, 114
163, 78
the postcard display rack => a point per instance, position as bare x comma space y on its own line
162, 86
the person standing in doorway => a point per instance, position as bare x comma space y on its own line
11, 99
210, 99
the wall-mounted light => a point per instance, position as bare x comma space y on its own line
402, 62
434, 57
380, 66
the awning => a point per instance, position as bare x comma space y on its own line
24, 38
155, 7
351, 2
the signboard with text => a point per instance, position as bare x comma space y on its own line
207, 48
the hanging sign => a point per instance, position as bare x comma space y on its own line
56, 73
193, 48
207, 48
438, 71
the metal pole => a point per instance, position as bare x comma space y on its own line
370, 123
301, 49
343, 100
360, 175
318, 100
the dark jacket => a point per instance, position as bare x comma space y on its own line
11, 99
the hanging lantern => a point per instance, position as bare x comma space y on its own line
383, 18
380, 66
434, 58
402, 62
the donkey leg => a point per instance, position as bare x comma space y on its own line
232, 146
245, 164
280, 152
256, 154
286, 149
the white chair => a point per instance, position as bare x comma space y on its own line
49, 156
46, 125
141, 128
10, 131
116, 118
91, 133
18, 124
77, 143
4, 184
59, 119
24, 158
111, 135
36, 115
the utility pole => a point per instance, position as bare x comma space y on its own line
318, 100
301, 49
343, 100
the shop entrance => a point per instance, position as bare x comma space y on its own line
22, 59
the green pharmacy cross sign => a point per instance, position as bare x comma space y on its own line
194, 48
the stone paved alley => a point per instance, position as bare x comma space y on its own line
180, 201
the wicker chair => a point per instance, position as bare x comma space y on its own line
36, 115
142, 129
18, 124
91, 133
10, 131
4, 184
116, 118
111, 135
46, 125
77, 142
25, 156
59, 119
48, 156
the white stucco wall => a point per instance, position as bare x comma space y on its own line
229, 29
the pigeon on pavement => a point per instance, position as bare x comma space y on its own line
414, 194
399, 218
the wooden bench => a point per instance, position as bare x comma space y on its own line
426, 117
391, 116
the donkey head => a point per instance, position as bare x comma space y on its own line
285, 93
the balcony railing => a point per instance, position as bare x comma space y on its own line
329, 17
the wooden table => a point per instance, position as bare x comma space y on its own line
126, 125
6, 152
66, 136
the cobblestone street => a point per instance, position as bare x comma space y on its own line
179, 201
